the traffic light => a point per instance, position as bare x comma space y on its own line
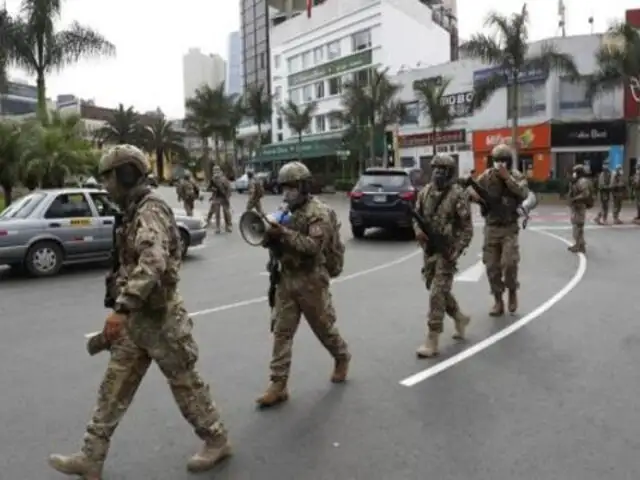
390, 143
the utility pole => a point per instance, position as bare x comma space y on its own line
561, 15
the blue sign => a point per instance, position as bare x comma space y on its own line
616, 156
527, 76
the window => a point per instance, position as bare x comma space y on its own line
319, 88
386, 180
307, 130
279, 123
262, 59
23, 207
321, 125
105, 206
573, 95
307, 60
276, 61
335, 121
318, 55
412, 114
294, 95
307, 93
279, 137
277, 94
361, 40
334, 86
347, 79
293, 64
68, 206
333, 50
361, 77
531, 99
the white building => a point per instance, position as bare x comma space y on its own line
199, 69
548, 107
312, 57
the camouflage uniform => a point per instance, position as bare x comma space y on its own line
580, 193
636, 194
304, 285
447, 208
220, 197
188, 192
157, 328
618, 188
604, 179
256, 192
501, 251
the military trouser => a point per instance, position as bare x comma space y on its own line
617, 206
308, 295
438, 274
604, 208
501, 257
188, 207
637, 196
218, 206
255, 205
127, 367
577, 230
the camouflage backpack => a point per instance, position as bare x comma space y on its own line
590, 200
334, 251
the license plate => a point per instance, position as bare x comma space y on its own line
380, 198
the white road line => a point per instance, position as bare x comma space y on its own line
472, 274
505, 332
542, 228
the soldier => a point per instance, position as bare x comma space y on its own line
446, 205
618, 188
636, 194
310, 254
580, 199
149, 323
256, 192
501, 252
188, 192
604, 192
220, 189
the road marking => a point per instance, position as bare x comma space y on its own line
505, 332
472, 274
542, 228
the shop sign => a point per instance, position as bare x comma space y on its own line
423, 139
336, 67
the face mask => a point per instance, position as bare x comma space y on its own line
291, 196
575, 176
440, 177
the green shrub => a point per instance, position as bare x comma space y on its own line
344, 185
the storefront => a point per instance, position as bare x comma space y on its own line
416, 150
589, 144
534, 151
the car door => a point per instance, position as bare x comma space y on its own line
106, 210
70, 218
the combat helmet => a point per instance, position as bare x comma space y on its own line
293, 173
216, 170
580, 169
443, 161
124, 155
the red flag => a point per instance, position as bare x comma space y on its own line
309, 8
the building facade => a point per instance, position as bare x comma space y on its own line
254, 32
632, 105
550, 108
200, 69
234, 80
19, 99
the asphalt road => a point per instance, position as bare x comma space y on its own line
555, 399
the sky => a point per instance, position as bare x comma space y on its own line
151, 37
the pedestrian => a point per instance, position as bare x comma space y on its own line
580, 200
255, 193
148, 323
188, 192
220, 189
636, 194
618, 189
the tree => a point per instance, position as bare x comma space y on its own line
5, 45
430, 96
41, 50
10, 158
372, 106
124, 126
508, 51
298, 119
230, 133
617, 60
161, 139
258, 107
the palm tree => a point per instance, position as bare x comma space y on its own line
617, 60
259, 107
124, 126
41, 50
298, 119
10, 158
5, 45
508, 51
161, 139
230, 133
372, 106
430, 96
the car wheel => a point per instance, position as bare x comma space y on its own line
358, 232
185, 240
44, 259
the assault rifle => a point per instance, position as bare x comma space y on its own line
436, 241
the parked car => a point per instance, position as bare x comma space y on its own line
47, 229
269, 182
381, 198
241, 184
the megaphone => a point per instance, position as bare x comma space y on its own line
253, 225
530, 203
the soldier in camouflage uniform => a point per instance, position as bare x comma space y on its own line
501, 251
188, 192
255, 192
618, 188
604, 193
445, 205
304, 283
636, 194
580, 199
220, 189
149, 323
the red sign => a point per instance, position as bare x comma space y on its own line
422, 139
632, 89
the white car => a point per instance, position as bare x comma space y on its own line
241, 184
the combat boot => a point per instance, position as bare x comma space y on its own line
461, 322
430, 347
573, 248
513, 301
76, 464
212, 453
341, 369
617, 221
498, 306
276, 393
229, 229
598, 219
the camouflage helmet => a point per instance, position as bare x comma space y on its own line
123, 155
293, 172
579, 168
443, 161
502, 151
216, 170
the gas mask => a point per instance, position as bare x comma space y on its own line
291, 196
116, 191
441, 177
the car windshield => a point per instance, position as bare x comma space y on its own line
386, 181
23, 207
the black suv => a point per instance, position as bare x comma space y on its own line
381, 197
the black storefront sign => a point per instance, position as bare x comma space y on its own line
588, 134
